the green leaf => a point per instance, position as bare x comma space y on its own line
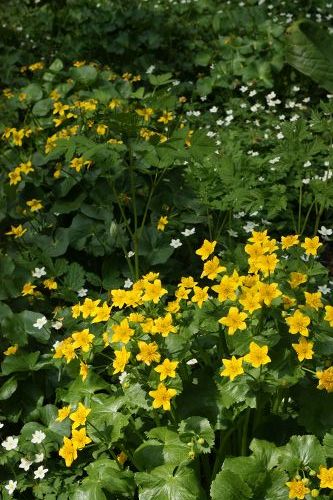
42, 107
168, 483
199, 430
310, 51
107, 475
19, 362
328, 445
303, 451
57, 65
158, 80
89, 490
85, 75
8, 388
33, 91
229, 486
74, 278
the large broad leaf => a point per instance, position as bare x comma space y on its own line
89, 490
229, 486
106, 473
301, 452
8, 388
199, 430
168, 483
20, 362
310, 51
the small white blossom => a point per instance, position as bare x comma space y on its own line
38, 272
191, 362
188, 232
249, 226
280, 136
175, 243
306, 181
274, 160
128, 283
1, 425
122, 377
56, 325
307, 164
324, 289
82, 292
130, 254
10, 443
25, 464
150, 69
232, 233
214, 109
11, 486
325, 232
38, 437
40, 322
39, 457
40, 472
252, 93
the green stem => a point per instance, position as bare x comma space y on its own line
244, 433
220, 452
300, 208
135, 236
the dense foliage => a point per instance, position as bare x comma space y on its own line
165, 213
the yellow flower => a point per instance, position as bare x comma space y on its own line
26, 167
146, 113
250, 301
16, 231
148, 353
162, 396
288, 302
121, 360
80, 438
79, 416
118, 298
298, 323
68, 452
226, 289
297, 279
50, 284
212, 268
206, 249
11, 350
313, 300
35, 205
167, 369
79, 163
200, 295
154, 291
259, 237
187, 282
182, 293
232, 367
15, 176
325, 379
303, 349
28, 289
59, 108
166, 117
289, 241
101, 129
329, 314
172, 307
234, 320
267, 263
114, 103
311, 245
162, 222
268, 292
76, 310
83, 340
89, 307
78, 64
257, 355
326, 477
121, 458
102, 314
297, 489
63, 413
164, 325
122, 332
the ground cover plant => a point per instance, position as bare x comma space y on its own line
166, 201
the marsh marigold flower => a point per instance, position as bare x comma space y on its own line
257, 355
16, 231
297, 279
11, 350
122, 332
326, 379
121, 360
232, 367
298, 323
289, 241
297, 489
148, 353
303, 349
79, 416
162, 396
167, 369
329, 315
235, 320
162, 222
311, 245
206, 249
200, 295
212, 268
68, 452
326, 477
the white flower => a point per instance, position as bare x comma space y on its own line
232, 233
188, 232
192, 361
150, 69
40, 472
214, 109
175, 243
1, 425
128, 283
130, 254
239, 215
11, 486
305, 257
10, 443
261, 178
249, 226
122, 377
25, 464
252, 93
39, 457
243, 88
38, 272
324, 289
82, 292
307, 164
325, 232
40, 322
306, 181
38, 437
280, 136
56, 325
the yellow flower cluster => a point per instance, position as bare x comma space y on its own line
298, 488
79, 438
16, 135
